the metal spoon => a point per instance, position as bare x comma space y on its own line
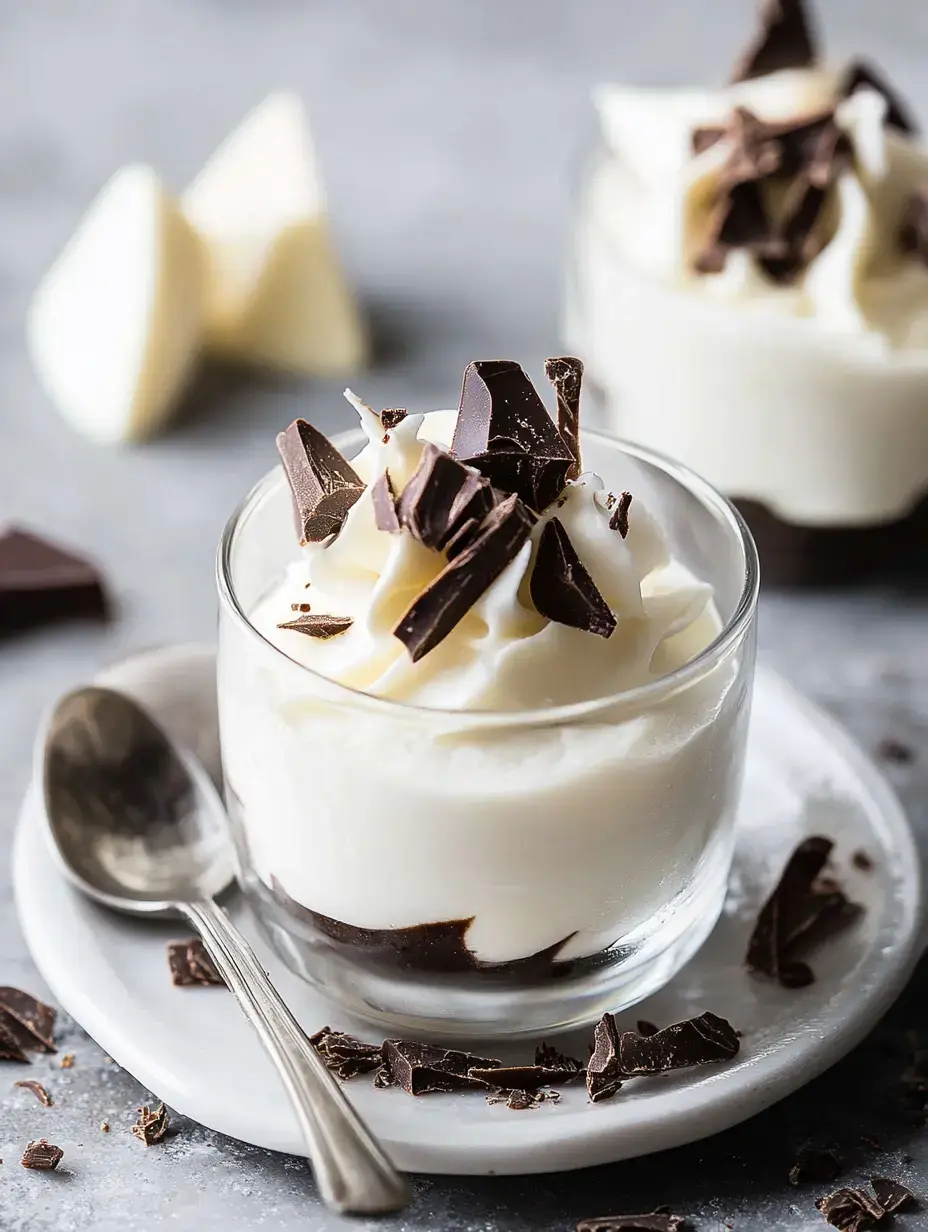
139, 827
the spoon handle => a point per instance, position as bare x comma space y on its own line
352, 1169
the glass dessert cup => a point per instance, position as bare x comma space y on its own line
488, 873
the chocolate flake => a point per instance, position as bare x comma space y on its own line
322, 481
30, 1020
549, 1056
784, 40
191, 965
392, 417
562, 589
422, 1069
522, 1100
891, 1195
740, 221
658, 1221
317, 625
850, 1210
861, 75
384, 502
818, 1166
566, 375
504, 431
345, 1055
619, 519
151, 1126
451, 595
603, 1075
697, 1041
913, 237
41, 583
43, 1155
525, 1077
801, 911
37, 1090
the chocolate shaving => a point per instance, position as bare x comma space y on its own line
322, 481
151, 1126
29, 1020
861, 75
191, 965
562, 589
522, 1100
392, 418
913, 238
619, 519
801, 912
317, 625
566, 375
784, 40
451, 595
41, 583
37, 1090
504, 431
345, 1055
422, 1069
603, 1075
863, 861
43, 1155
658, 1221
383, 499
851, 1210
820, 1167
892, 1195
697, 1041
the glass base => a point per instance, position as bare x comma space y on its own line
520, 1001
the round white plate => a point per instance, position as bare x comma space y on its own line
192, 1048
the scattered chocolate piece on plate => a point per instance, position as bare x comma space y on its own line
67, 1061
315, 624
697, 1041
525, 1077
562, 589
850, 1210
658, 1221
345, 1055
383, 499
551, 1058
862, 75
30, 1020
152, 1125
422, 1069
41, 583
521, 1100
603, 1075
322, 481
891, 1195
42, 1155
890, 749
815, 1166
37, 1090
191, 965
566, 375
619, 519
784, 40
863, 861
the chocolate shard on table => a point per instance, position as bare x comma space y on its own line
191, 965
811, 1165
851, 1210
10, 1048
315, 624
704, 1040
41, 583
42, 1155
619, 519
565, 372
562, 589
345, 1055
504, 431
37, 1090
784, 40
451, 595
892, 1195
383, 499
152, 1124
658, 1221
323, 482
28, 1019
603, 1074
913, 230
802, 911
862, 75
423, 1069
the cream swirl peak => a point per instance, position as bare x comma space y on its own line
468, 562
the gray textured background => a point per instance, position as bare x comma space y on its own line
451, 137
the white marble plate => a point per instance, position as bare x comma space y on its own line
191, 1047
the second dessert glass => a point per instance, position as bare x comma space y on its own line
488, 872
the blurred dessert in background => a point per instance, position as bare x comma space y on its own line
750, 291
244, 266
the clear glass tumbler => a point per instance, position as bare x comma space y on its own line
476, 872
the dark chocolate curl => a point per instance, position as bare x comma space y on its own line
323, 482
566, 375
563, 590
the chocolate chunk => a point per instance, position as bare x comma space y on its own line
851, 1210
740, 221
697, 1041
37, 1090
658, 1221
526, 1077
603, 1075
345, 1055
151, 1126
447, 599
422, 1069
891, 1195
913, 230
757, 151
563, 590
521, 1100
318, 625
647, 1028
504, 431
476, 499
42, 1154
818, 1166
40, 583
800, 240
323, 482
861, 75
191, 965
425, 505
384, 502
566, 375
10, 1048
30, 1020
548, 1056
392, 418
784, 40
619, 519
862, 861
801, 912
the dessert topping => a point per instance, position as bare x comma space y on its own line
152, 1125
562, 588
566, 375
322, 481
345, 1055
619, 519
317, 625
660, 1220
784, 40
383, 499
42, 1155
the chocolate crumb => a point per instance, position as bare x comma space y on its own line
67, 1061
384, 501
37, 1090
151, 1126
619, 519
42, 1155
659, 1220
862, 861
345, 1055
319, 626
191, 965
549, 1056
104, 1126
816, 1166
300, 607
850, 1210
890, 749
422, 1069
322, 482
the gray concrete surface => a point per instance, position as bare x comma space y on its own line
451, 137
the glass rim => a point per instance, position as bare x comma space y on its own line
653, 691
